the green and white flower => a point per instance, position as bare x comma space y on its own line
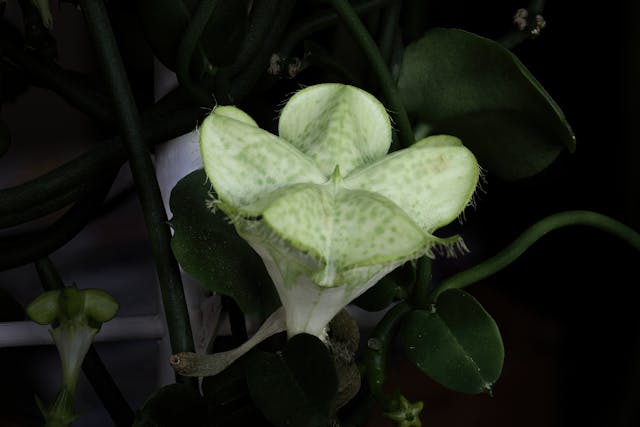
76, 316
326, 208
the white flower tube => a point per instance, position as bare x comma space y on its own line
323, 205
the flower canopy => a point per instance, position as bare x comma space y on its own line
326, 208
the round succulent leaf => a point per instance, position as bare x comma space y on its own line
244, 162
226, 389
208, 248
432, 181
494, 105
457, 344
311, 363
336, 124
174, 405
304, 378
227, 395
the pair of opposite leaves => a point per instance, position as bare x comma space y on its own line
326, 208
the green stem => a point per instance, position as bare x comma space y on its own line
319, 22
391, 20
420, 293
236, 320
332, 66
49, 74
246, 80
48, 274
143, 175
61, 181
529, 237
92, 366
187, 47
263, 15
389, 91
25, 248
55, 189
45, 207
414, 19
378, 347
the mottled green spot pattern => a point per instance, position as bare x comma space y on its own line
432, 181
336, 124
326, 211
244, 162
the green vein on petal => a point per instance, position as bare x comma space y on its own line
432, 181
343, 229
243, 162
336, 124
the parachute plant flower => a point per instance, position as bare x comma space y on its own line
328, 211
76, 317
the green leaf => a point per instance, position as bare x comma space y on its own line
5, 138
208, 248
380, 296
226, 388
297, 389
457, 344
175, 405
394, 285
462, 84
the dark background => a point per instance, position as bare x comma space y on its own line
567, 308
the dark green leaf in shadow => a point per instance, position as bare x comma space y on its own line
164, 22
297, 388
5, 138
209, 249
380, 296
462, 84
395, 285
175, 405
228, 398
457, 344
227, 388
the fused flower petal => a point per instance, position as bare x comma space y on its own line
432, 181
244, 162
329, 214
336, 124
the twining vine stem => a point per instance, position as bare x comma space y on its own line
389, 90
143, 174
529, 237
187, 47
